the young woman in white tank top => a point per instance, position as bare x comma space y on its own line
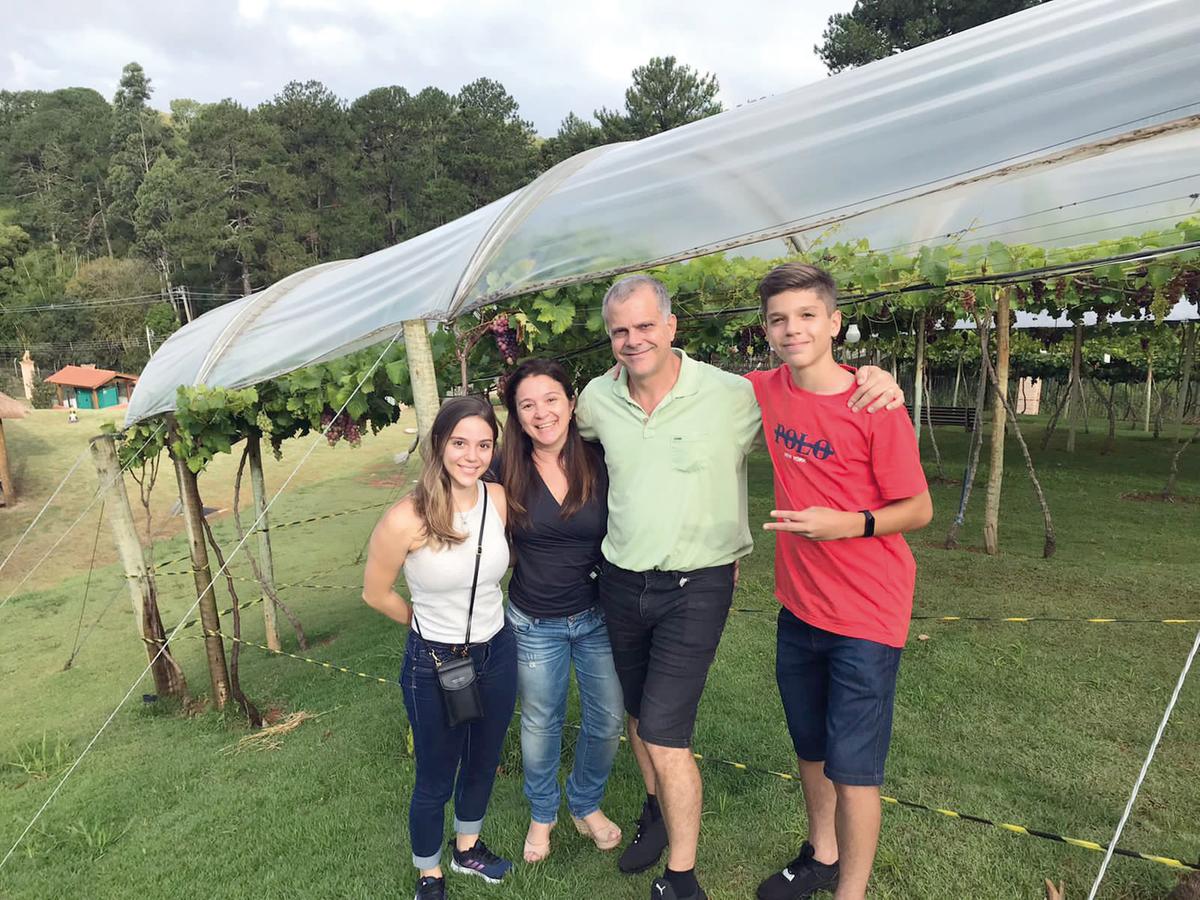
434, 535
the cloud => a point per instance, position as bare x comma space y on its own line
97, 48
329, 43
554, 57
253, 10
28, 75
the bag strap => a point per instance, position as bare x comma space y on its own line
474, 577
478, 557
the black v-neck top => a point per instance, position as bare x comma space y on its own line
556, 556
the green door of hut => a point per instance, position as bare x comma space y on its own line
108, 396
83, 398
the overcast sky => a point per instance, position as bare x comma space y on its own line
553, 56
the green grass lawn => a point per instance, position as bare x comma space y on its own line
43, 447
1043, 725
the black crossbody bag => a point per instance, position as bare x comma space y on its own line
456, 675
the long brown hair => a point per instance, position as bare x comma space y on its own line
431, 497
578, 461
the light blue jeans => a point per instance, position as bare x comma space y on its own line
546, 648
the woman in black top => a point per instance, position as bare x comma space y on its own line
557, 489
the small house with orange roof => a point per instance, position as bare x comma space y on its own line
86, 387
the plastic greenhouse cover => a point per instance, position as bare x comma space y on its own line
1061, 125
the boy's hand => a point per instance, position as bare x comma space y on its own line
818, 523
877, 388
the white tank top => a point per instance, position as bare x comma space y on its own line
439, 581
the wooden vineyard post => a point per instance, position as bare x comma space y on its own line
168, 677
1188, 338
266, 560
210, 620
957, 378
991, 514
918, 376
1149, 391
6, 482
1075, 400
421, 374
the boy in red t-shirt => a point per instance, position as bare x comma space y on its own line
846, 486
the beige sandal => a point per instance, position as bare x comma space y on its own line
534, 853
606, 837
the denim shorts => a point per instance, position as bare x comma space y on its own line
664, 628
837, 696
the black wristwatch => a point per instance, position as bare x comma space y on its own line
869, 527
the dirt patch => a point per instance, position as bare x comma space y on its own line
964, 548
388, 481
195, 706
1157, 497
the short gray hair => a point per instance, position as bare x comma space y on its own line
624, 288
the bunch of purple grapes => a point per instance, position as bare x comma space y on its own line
1052, 336
750, 342
506, 338
341, 426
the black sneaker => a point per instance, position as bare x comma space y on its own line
430, 888
481, 861
647, 845
662, 890
801, 878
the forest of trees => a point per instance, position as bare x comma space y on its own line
107, 209
874, 29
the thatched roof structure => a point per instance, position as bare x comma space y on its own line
11, 409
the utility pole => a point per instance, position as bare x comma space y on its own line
149, 346
185, 302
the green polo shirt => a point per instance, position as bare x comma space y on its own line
677, 477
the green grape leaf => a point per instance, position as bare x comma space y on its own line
934, 265
558, 316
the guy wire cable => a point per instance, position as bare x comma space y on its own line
1137, 785
750, 768
45, 506
87, 588
79, 759
100, 490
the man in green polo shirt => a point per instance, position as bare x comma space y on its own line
676, 433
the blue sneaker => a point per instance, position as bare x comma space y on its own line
481, 861
430, 888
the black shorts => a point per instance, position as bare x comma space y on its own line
664, 628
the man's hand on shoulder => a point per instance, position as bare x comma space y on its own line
877, 390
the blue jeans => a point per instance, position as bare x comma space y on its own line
461, 760
545, 650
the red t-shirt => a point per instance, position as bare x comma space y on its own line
826, 455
